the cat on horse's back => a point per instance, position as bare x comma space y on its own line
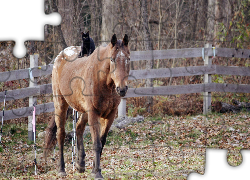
88, 45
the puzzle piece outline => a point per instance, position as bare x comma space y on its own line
11, 31
150, 94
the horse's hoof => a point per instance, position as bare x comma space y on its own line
98, 176
62, 174
79, 168
92, 175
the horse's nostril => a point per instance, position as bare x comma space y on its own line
122, 92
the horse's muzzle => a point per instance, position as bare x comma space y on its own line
122, 92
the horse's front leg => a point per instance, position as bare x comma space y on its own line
105, 126
94, 124
80, 127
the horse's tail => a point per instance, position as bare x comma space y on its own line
50, 138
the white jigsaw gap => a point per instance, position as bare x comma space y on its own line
70, 51
217, 167
24, 20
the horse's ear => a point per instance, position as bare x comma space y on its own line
125, 40
113, 40
87, 33
81, 33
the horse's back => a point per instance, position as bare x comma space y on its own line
67, 62
67, 55
62, 61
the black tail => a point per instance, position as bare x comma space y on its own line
50, 138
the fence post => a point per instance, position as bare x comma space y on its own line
32, 99
122, 108
207, 79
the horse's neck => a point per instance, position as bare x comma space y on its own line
102, 65
103, 52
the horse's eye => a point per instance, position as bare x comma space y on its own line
112, 60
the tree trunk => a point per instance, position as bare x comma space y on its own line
58, 38
95, 9
228, 17
218, 20
175, 32
178, 5
202, 18
159, 31
148, 46
210, 21
76, 20
107, 28
195, 19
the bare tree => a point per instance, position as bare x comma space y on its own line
218, 19
210, 20
178, 5
148, 46
159, 31
109, 20
58, 39
95, 9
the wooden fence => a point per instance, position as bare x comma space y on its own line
206, 88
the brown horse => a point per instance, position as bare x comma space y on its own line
93, 86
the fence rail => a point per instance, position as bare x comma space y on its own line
28, 111
136, 56
207, 87
26, 92
138, 74
189, 53
25, 73
186, 89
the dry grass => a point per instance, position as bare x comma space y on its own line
167, 147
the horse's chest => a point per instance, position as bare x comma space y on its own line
104, 105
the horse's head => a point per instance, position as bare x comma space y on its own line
120, 64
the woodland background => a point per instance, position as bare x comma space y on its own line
150, 25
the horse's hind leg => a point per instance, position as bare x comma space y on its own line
61, 107
80, 126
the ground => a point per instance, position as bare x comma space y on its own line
168, 147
